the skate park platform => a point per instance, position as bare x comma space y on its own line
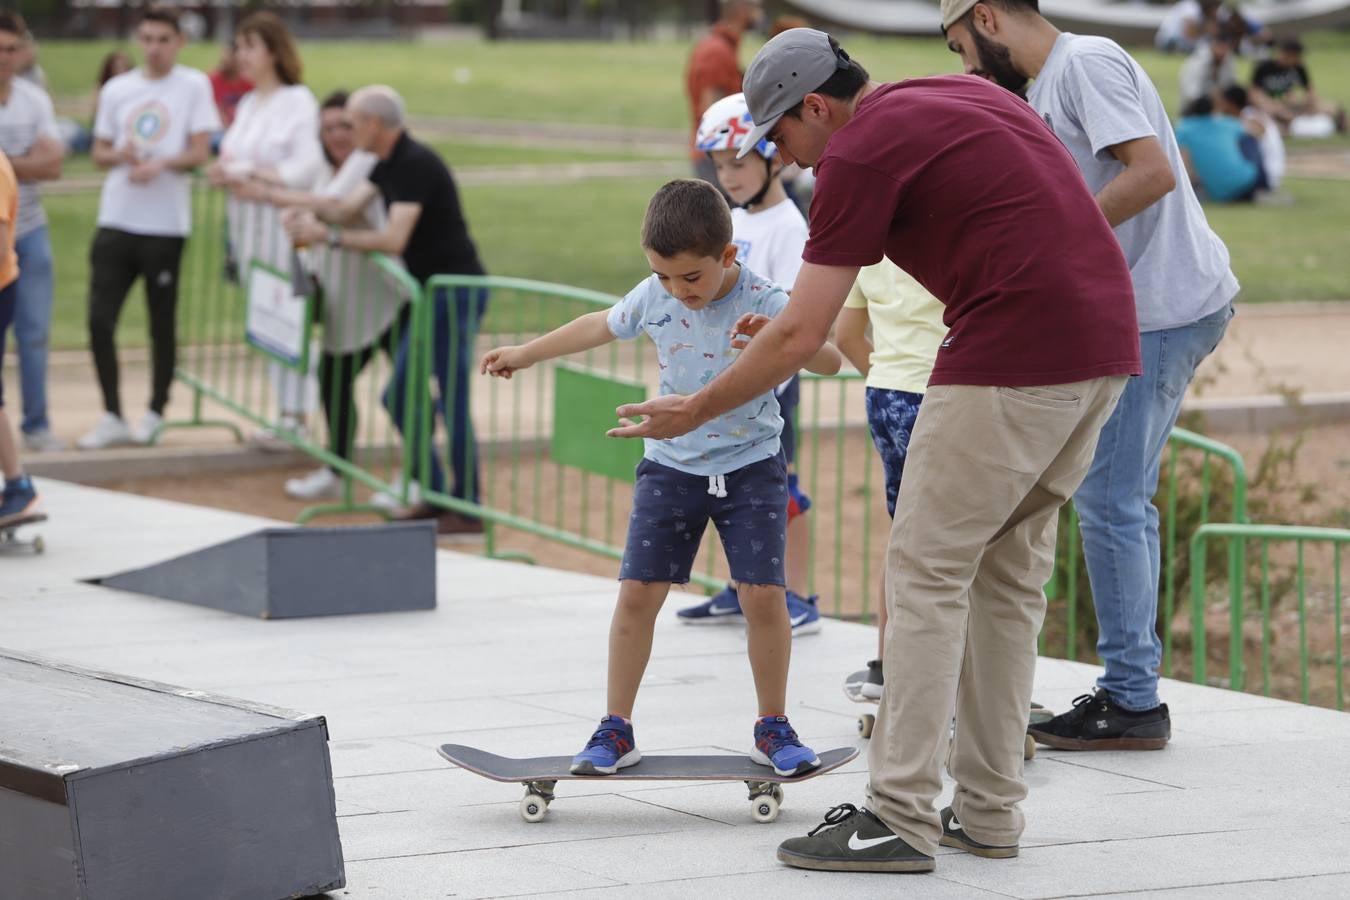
1249, 800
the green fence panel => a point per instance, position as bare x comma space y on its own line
582, 411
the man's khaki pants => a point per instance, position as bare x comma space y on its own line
971, 548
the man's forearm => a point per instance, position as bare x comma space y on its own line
44, 166
774, 356
370, 240
1133, 191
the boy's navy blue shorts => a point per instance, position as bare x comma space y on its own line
891, 415
671, 509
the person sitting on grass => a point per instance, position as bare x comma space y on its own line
1219, 154
1235, 101
732, 470
769, 232
19, 497
1283, 88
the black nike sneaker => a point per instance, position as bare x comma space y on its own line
853, 840
1097, 723
953, 835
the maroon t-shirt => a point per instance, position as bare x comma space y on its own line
963, 186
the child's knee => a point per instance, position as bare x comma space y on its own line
761, 599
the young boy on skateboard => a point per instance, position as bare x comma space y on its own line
19, 498
732, 470
769, 232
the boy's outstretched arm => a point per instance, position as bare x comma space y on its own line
850, 336
580, 334
825, 361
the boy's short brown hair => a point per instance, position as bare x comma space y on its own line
687, 216
164, 15
12, 23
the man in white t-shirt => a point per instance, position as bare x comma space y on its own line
29, 137
154, 126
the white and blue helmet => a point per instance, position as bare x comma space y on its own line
726, 125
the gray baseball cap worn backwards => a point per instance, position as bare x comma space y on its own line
783, 72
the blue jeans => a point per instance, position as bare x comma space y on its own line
1116, 512
32, 325
454, 325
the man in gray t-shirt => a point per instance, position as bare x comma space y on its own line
1101, 104
28, 136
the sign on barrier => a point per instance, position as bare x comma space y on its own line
583, 410
280, 313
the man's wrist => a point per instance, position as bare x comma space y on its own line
335, 237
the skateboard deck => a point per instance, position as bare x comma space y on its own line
868, 721
539, 774
9, 538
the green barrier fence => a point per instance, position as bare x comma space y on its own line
295, 342
1314, 584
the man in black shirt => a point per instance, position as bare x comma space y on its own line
426, 228
1282, 88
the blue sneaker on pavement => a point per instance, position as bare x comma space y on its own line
802, 614
19, 498
776, 745
610, 749
722, 608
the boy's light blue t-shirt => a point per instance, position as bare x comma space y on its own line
692, 348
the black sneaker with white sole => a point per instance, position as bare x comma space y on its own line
953, 835
1096, 722
866, 684
853, 840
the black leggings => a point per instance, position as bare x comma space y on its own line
116, 260
337, 383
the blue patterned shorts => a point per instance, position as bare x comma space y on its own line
891, 415
671, 509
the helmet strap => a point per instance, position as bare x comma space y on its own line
768, 183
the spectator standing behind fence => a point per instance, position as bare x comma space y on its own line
228, 87
714, 71
362, 309
274, 140
30, 138
154, 127
427, 229
19, 496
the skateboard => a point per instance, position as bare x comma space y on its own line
541, 774
868, 721
9, 538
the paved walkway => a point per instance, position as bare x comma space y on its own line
1249, 800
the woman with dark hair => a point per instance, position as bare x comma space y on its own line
272, 143
363, 308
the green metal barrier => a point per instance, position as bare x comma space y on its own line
1066, 588
1236, 536
360, 324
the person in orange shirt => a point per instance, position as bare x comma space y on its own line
714, 72
19, 497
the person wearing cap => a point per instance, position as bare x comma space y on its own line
714, 72
960, 184
1101, 104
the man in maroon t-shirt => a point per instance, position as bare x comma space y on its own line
961, 184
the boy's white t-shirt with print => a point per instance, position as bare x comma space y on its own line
157, 117
771, 241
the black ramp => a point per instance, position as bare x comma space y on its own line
280, 573
114, 787
705, 767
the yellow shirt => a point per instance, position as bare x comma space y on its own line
906, 326
9, 214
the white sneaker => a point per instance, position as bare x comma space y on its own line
268, 441
145, 429
109, 431
391, 500
320, 484
42, 441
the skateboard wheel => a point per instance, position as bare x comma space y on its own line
533, 807
38, 545
1029, 748
865, 724
765, 808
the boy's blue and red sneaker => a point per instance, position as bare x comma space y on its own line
722, 608
19, 498
610, 749
776, 745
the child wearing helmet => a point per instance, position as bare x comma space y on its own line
769, 233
